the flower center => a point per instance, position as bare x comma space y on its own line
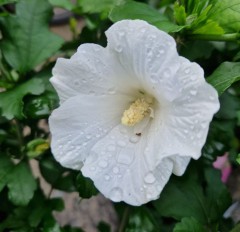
137, 111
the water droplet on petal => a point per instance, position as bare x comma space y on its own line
167, 73
121, 33
149, 178
107, 177
118, 48
112, 90
92, 168
187, 70
111, 147
134, 139
103, 164
116, 194
88, 137
115, 170
211, 97
121, 143
126, 157
149, 196
193, 92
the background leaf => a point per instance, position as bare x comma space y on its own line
189, 224
137, 10
11, 103
27, 40
5, 168
21, 184
227, 14
224, 76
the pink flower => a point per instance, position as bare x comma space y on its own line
222, 163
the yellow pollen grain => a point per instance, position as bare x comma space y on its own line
136, 112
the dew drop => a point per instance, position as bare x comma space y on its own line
143, 30
88, 137
134, 139
187, 70
103, 164
118, 48
125, 157
166, 73
115, 170
119, 176
111, 147
107, 177
149, 196
121, 33
211, 97
112, 90
121, 143
92, 168
203, 125
116, 194
149, 178
91, 92
193, 92
123, 130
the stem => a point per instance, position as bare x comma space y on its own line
224, 37
124, 219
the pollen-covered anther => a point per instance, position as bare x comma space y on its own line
136, 112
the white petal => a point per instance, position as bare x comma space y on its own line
183, 126
92, 71
179, 164
122, 172
80, 122
147, 53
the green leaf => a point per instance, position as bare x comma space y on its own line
141, 219
218, 198
199, 195
183, 198
6, 167
21, 185
85, 187
66, 4
27, 40
210, 27
11, 103
236, 228
180, 14
3, 2
137, 10
227, 14
189, 224
224, 76
96, 6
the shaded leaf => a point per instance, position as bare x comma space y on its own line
27, 40
189, 224
5, 168
182, 198
137, 10
21, 184
3, 2
85, 186
224, 76
11, 103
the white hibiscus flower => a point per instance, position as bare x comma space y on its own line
130, 114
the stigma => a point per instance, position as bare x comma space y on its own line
137, 111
